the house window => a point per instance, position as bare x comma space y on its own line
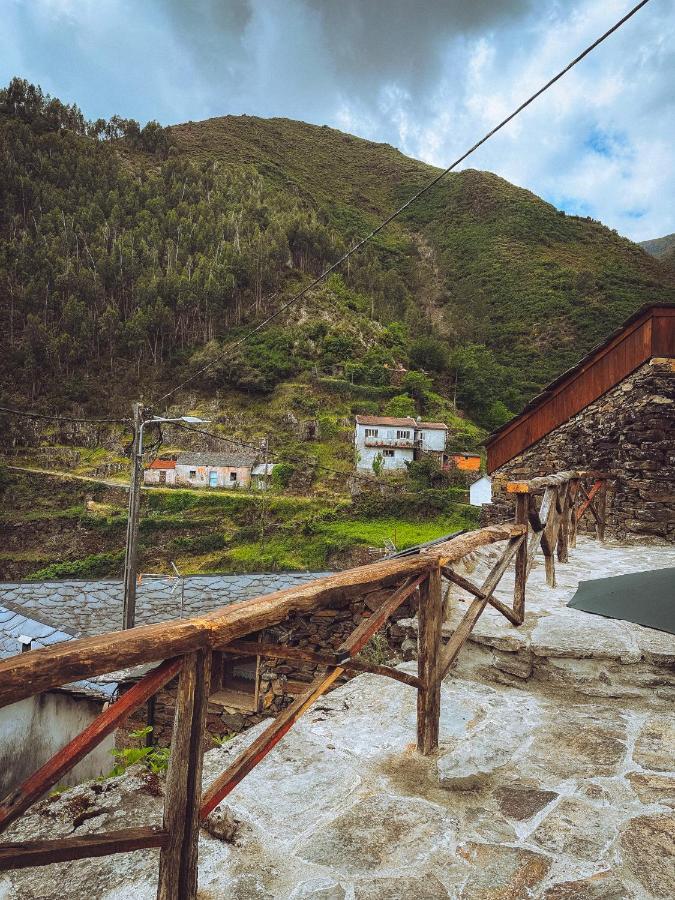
193, 473
387, 453
233, 476
402, 435
371, 432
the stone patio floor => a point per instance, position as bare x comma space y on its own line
539, 790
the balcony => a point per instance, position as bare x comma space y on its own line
400, 443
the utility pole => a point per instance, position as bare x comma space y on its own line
131, 555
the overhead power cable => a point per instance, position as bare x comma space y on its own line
57, 418
390, 218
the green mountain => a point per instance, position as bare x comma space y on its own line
660, 247
129, 257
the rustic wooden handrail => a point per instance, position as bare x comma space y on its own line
50, 667
190, 643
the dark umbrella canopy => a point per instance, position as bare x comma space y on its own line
645, 598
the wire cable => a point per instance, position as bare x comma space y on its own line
390, 218
57, 418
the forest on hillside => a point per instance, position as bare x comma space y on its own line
125, 260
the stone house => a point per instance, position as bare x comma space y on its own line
612, 412
160, 471
224, 470
39, 726
397, 441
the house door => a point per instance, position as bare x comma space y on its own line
162, 476
213, 479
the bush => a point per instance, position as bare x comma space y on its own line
282, 474
98, 565
400, 405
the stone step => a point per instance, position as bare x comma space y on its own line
562, 648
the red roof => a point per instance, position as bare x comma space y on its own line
162, 464
438, 426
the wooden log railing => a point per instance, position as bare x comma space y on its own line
565, 499
184, 648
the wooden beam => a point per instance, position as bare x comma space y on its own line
281, 651
451, 650
23, 796
41, 670
258, 750
178, 859
429, 620
537, 485
522, 518
589, 495
466, 585
26, 854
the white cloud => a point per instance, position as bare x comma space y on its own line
429, 77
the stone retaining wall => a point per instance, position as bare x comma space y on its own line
279, 680
629, 433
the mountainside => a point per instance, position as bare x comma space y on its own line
660, 247
127, 257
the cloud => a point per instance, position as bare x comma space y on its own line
428, 76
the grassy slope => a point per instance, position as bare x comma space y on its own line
660, 247
73, 530
537, 286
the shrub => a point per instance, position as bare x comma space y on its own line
400, 405
282, 474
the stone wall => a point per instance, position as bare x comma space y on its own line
280, 680
629, 433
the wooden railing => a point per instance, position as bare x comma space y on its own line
185, 649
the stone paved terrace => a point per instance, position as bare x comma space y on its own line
530, 797
560, 647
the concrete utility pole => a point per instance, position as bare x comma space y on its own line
131, 555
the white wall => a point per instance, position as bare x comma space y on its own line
33, 730
432, 438
480, 491
391, 463
151, 476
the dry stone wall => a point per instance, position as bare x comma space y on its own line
279, 680
629, 433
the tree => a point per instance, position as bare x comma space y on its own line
402, 405
429, 353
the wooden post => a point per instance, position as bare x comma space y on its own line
131, 555
573, 494
522, 518
563, 531
178, 860
601, 509
429, 620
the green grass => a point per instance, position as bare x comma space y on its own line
374, 532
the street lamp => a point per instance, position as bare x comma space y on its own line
131, 552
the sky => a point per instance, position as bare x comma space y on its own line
427, 76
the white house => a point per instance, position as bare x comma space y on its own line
396, 441
160, 471
480, 491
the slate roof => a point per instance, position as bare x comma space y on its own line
406, 422
234, 458
15, 625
